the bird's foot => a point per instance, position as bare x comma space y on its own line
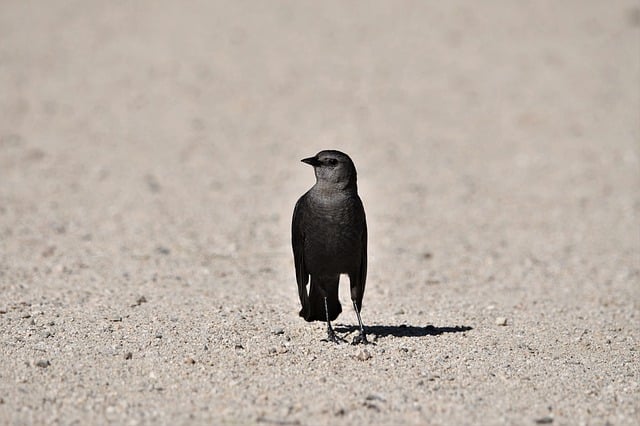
360, 339
332, 337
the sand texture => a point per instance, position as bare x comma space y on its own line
149, 165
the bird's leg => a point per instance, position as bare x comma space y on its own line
362, 337
331, 335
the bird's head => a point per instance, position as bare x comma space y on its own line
333, 168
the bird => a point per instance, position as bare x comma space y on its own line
329, 238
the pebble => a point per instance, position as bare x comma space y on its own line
189, 360
363, 355
163, 250
42, 363
544, 420
128, 355
375, 397
501, 321
140, 300
278, 331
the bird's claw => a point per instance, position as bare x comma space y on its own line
332, 337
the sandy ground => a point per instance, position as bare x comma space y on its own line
149, 164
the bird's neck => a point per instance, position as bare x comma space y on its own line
333, 189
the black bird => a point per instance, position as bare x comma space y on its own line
329, 238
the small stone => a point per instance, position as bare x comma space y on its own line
140, 300
363, 355
544, 420
42, 363
128, 355
189, 360
158, 335
278, 331
163, 250
273, 351
238, 346
502, 321
375, 397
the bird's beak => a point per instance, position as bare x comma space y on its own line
311, 160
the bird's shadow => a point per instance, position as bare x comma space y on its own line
403, 330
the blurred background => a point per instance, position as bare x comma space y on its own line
483, 133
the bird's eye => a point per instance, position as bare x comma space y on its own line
332, 161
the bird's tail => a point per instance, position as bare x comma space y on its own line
315, 310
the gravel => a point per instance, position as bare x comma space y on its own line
149, 164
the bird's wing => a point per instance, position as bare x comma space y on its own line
297, 242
